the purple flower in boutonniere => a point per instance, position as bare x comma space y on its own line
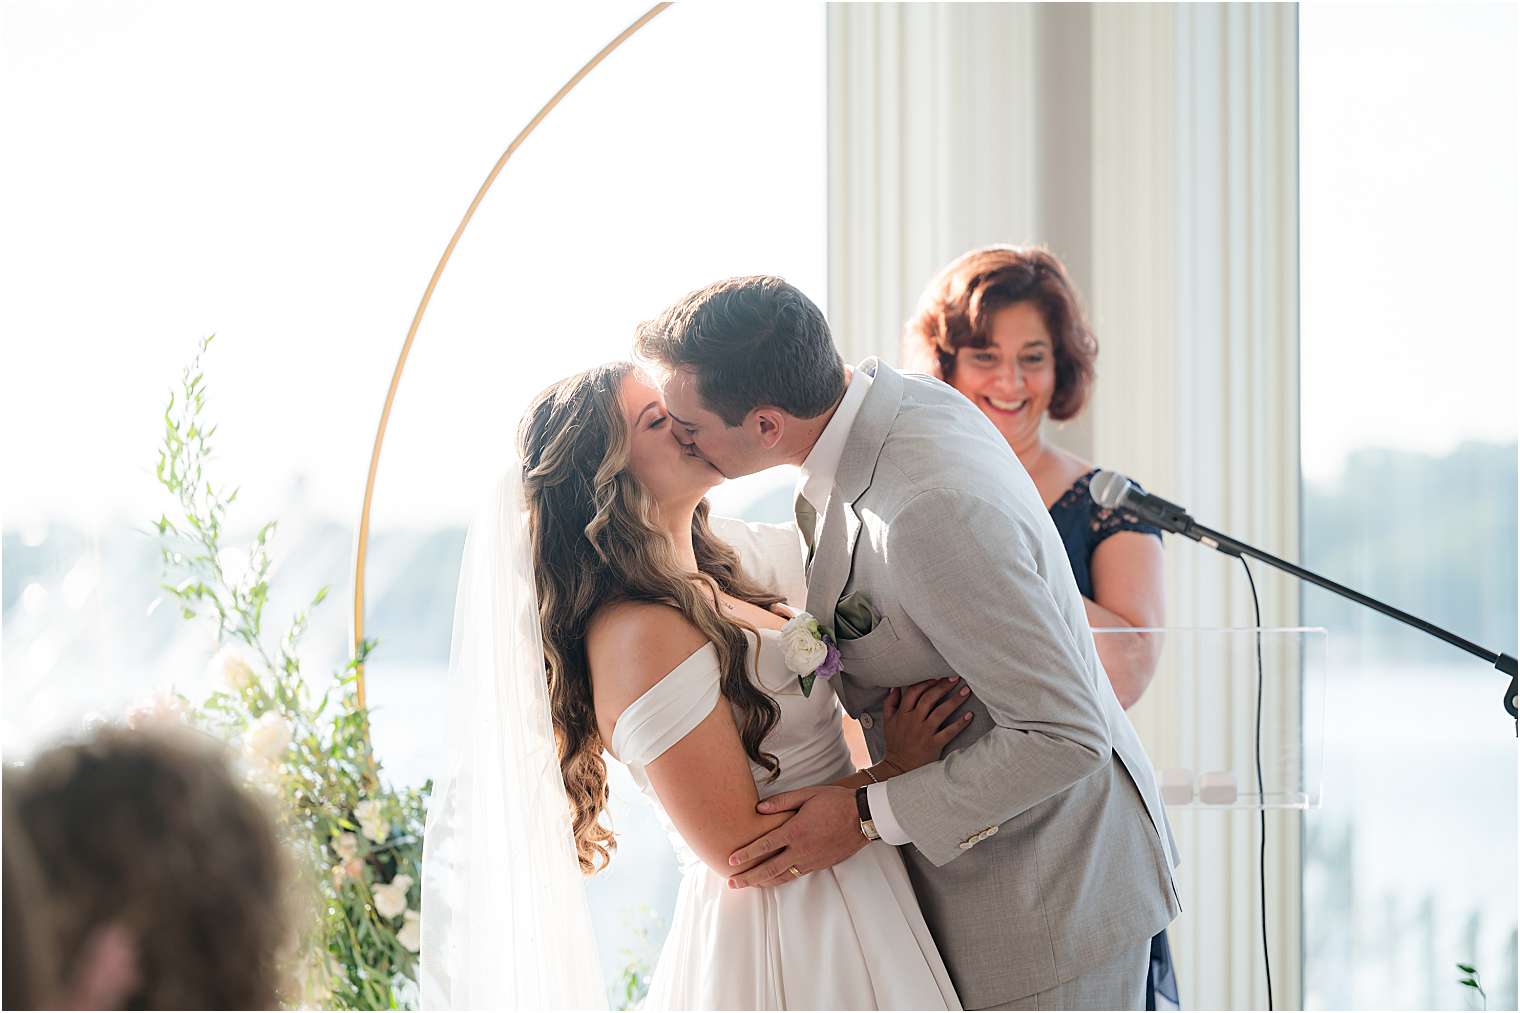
809, 651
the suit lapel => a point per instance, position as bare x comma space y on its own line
831, 562
841, 525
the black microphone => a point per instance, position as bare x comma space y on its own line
1112, 491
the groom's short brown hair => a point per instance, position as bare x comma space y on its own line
750, 342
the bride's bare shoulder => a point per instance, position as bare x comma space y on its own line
631, 645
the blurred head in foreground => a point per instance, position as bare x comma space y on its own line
151, 878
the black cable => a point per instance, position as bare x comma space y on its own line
1261, 793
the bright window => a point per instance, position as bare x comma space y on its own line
287, 178
1408, 146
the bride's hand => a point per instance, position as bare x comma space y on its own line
914, 721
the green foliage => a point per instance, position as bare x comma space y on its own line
357, 841
633, 983
1469, 979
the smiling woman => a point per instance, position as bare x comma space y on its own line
1004, 326
995, 309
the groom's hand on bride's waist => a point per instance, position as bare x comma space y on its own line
824, 831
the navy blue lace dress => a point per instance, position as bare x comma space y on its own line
1083, 526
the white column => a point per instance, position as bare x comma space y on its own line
931, 126
1195, 300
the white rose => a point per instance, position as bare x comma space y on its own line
374, 825
230, 669
346, 845
800, 646
268, 738
390, 899
410, 935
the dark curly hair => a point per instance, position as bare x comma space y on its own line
596, 542
151, 831
957, 307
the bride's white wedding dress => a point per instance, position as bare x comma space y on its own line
505, 919
850, 937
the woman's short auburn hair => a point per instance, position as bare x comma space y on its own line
956, 311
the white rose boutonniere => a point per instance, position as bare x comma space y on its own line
390, 899
809, 651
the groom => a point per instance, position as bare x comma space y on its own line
1039, 850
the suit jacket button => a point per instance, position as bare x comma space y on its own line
867, 722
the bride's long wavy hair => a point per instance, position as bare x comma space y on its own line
595, 541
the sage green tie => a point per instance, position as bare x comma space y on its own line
807, 523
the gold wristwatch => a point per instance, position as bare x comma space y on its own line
863, 808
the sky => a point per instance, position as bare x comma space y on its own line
176, 169
1409, 225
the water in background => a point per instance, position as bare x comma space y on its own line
1410, 865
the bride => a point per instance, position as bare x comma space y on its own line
599, 614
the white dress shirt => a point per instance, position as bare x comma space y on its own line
815, 484
816, 479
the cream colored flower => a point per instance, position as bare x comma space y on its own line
801, 647
372, 821
159, 709
346, 845
390, 899
410, 935
231, 670
268, 738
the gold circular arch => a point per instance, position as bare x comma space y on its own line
361, 546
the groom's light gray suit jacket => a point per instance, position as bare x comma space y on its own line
1040, 848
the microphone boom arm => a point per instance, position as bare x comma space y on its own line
1231, 547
